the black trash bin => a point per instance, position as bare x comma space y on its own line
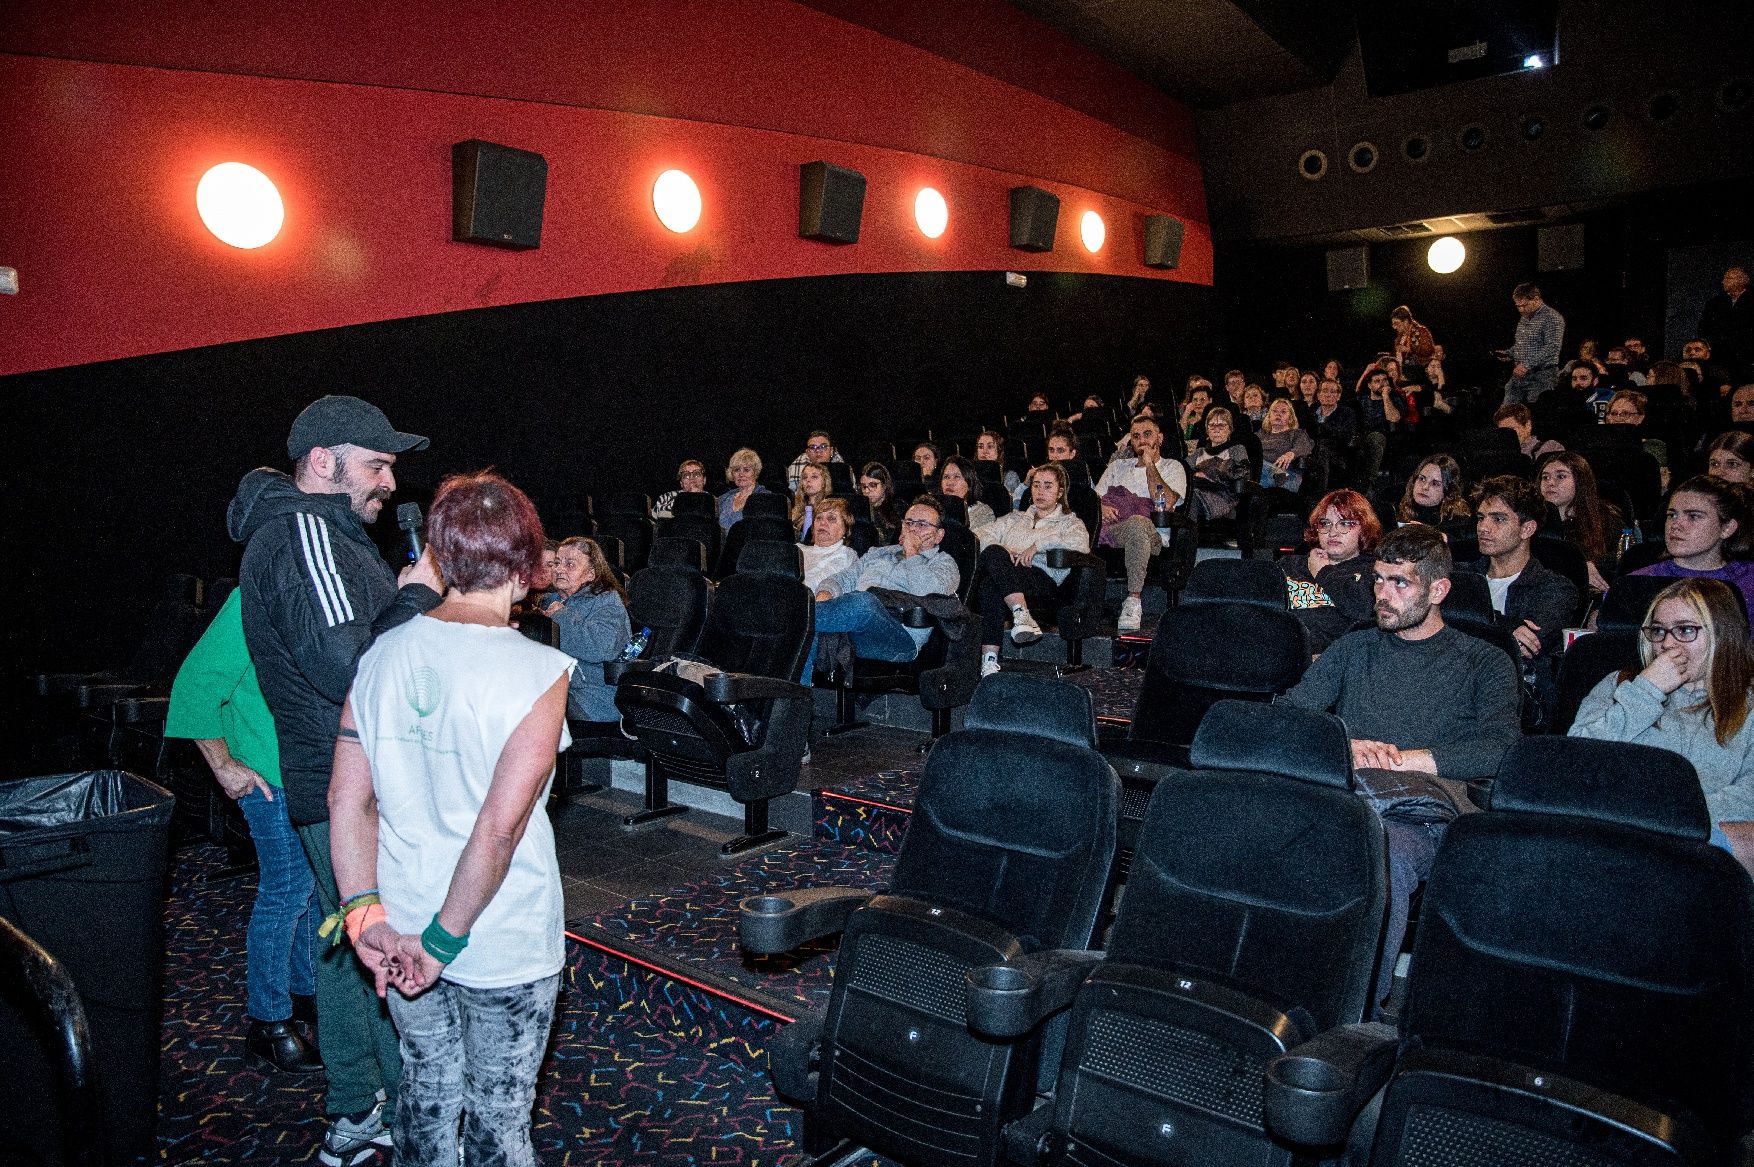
82, 872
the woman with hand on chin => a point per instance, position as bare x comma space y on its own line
1331, 589
1690, 697
446, 867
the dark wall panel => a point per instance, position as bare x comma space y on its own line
129, 464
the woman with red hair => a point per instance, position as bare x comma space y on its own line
1331, 588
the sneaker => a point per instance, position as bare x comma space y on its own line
989, 665
1132, 613
350, 1141
1024, 629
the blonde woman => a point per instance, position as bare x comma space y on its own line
1014, 560
813, 488
1284, 446
741, 472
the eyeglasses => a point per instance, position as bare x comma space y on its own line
694, 474
1681, 633
919, 524
817, 447
1337, 525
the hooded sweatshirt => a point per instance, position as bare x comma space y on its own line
316, 593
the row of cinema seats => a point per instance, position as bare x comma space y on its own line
1582, 988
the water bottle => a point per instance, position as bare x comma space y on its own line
1629, 537
637, 645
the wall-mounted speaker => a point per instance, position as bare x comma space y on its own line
1034, 215
831, 202
1348, 268
497, 194
1559, 248
1163, 241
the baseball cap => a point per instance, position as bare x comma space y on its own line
338, 420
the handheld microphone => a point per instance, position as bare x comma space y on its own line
408, 518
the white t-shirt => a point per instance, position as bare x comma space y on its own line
435, 702
1500, 588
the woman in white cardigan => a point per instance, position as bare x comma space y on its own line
827, 552
1013, 563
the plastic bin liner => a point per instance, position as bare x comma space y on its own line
82, 872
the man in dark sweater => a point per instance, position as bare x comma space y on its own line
1536, 604
1427, 707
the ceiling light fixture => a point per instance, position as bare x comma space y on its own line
239, 204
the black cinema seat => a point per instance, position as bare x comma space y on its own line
1250, 923
1582, 987
744, 730
1008, 853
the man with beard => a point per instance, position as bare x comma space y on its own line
1428, 708
316, 593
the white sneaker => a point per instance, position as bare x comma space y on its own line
989, 665
1024, 629
1132, 613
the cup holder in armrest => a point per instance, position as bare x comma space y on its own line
771, 924
915, 616
767, 905
1000, 978
1309, 1075
1314, 1093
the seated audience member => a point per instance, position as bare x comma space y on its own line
1303, 399
591, 613
1331, 589
690, 479
1092, 402
1707, 523
1014, 561
1254, 406
1193, 415
1234, 383
1038, 408
742, 472
1691, 697
1138, 395
1418, 698
818, 451
809, 491
1714, 380
1619, 368
541, 592
1742, 405
1537, 604
826, 552
1593, 391
927, 458
879, 491
916, 565
1433, 494
1516, 418
957, 479
1284, 446
1335, 421
1378, 416
1731, 457
1131, 489
1638, 358
1589, 524
1220, 466
990, 447
1630, 407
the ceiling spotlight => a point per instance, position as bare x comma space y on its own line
1534, 61
1533, 127
1092, 231
931, 212
1312, 164
1597, 117
239, 204
1446, 255
676, 200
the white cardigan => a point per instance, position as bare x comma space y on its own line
1021, 529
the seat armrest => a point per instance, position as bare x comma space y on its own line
1315, 1091
140, 710
915, 616
614, 670
1065, 557
1010, 999
92, 696
771, 924
1170, 520
66, 684
734, 688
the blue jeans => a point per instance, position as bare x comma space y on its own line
283, 921
1412, 847
876, 634
471, 1054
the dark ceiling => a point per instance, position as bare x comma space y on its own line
1209, 53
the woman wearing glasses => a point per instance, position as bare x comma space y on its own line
1330, 589
1690, 697
879, 491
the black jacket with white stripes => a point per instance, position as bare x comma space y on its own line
316, 593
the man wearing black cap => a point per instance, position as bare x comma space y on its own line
316, 593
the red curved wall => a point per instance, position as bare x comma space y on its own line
114, 113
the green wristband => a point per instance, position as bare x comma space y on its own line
441, 945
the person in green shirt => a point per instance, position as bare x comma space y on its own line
216, 702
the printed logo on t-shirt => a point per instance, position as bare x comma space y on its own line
424, 691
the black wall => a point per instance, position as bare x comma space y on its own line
123, 470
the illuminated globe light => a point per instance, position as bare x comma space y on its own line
677, 201
239, 204
1092, 231
931, 212
1446, 255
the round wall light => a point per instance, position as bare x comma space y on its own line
239, 204
676, 200
931, 212
1092, 231
1446, 255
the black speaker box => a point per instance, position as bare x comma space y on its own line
831, 201
496, 195
1348, 268
1163, 241
1034, 215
